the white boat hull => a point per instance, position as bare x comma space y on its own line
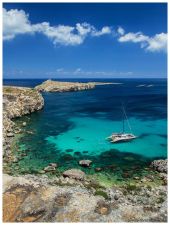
121, 137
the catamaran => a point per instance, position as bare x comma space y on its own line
122, 136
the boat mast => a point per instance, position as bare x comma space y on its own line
126, 119
123, 124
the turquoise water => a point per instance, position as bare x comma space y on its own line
74, 126
89, 134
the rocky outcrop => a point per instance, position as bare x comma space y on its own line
38, 199
160, 165
17, 101
58, 86
50, 167
75, 174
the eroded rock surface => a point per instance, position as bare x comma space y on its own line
36, 199
19, 101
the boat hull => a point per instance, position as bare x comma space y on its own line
118, 138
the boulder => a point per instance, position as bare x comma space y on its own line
160, 165
85, 163
10, 135
75, 174
49, 169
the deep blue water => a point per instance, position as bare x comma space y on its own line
74, 125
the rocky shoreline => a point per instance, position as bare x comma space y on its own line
17, 101
59, 86
73, 196
31, 198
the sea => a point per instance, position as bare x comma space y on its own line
75, 125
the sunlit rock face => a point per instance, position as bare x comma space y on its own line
18, 101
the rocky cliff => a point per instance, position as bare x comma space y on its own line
17, 101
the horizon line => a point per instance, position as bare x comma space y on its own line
51, 78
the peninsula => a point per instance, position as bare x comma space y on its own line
59, 86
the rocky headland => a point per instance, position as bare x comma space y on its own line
59, 86
73, 196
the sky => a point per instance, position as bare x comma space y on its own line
85, 40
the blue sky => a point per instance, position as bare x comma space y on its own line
55, 40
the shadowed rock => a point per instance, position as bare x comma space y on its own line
85, 163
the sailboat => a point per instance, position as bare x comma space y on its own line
122, 137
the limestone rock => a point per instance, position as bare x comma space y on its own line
49, 169
160, 165
10, 135
85, 163
75, 174
17, 101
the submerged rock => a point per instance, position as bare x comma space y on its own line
24, 124
85, 163
98, 169
75, 174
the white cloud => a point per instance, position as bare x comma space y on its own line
59, 70
84, 28
104, 30
157, 43
80, 72
120, 31
17, 22
133, 37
